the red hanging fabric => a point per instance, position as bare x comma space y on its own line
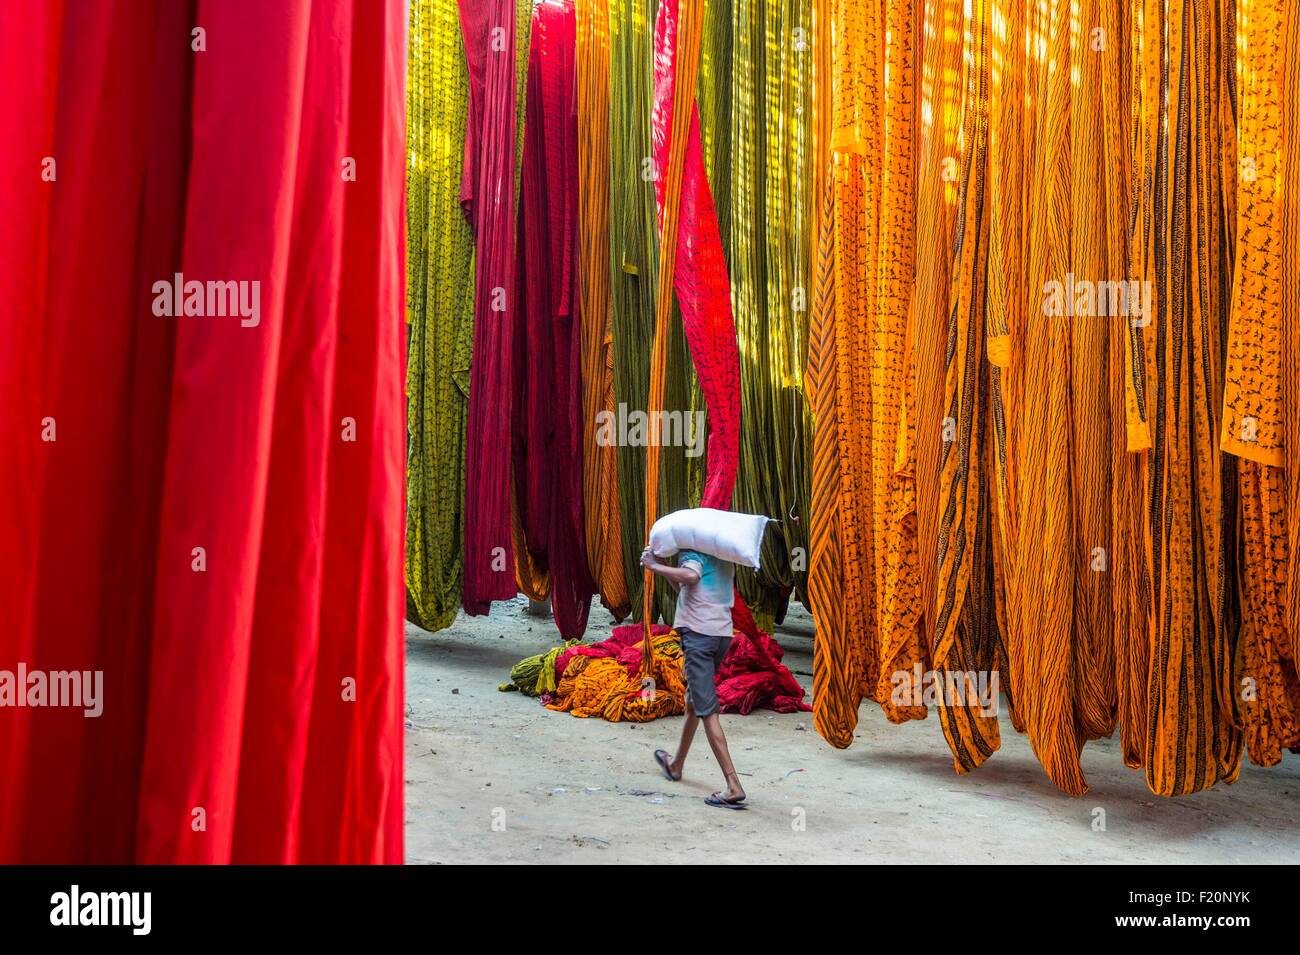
488, 197
700, 279
702, 285
547, 431
217, 526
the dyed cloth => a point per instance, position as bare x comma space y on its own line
1040, 490
535, 675
863, 582
700, 275
216, 526
1174, 362
1261, 401
547, 417
632, 261
767, 187
440, 310
600, 488
603, 679
488, 187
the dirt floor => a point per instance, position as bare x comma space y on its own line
496, 777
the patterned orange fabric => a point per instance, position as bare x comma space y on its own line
1257, 403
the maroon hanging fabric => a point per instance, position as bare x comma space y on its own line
488, 197
213, 519
548, 401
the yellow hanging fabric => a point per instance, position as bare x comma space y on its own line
440, 310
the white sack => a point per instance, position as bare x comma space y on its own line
722, 534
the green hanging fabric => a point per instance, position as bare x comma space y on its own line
633, 235
769, 253
440, 312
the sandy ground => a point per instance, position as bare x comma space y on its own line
495, 777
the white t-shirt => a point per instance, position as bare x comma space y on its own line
705, 607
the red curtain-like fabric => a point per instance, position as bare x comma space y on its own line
700, 278
206, 507
547, 362
488, 197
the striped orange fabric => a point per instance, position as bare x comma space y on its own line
600, 462
863, 578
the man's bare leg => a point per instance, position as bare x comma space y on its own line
684, 744
713, 730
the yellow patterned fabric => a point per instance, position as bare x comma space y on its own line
440, 310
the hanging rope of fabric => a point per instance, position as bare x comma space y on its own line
496, 48
633, 274
1257, 403
600, 491
863, 582
440, 311
677, 54
769, 255
547, 435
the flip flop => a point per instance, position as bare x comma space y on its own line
661, 757
722, 802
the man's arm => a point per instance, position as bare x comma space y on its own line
677, 576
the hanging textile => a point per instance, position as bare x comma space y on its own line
546, 436
600, 489
966, 635
633, 262
496, 43
699, 273
237, 556
1047, 486
770, 261
440, 310
1175, 381
694, 264
1260, 357
863, 583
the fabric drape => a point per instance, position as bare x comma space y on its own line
600, 490
1259, 376
863, 582
769, 247
1041, 451
440, 310
216, 516
547, 426
633, 264
495, 36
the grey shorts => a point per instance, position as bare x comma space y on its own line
703, 656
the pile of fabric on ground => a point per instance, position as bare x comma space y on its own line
605, 679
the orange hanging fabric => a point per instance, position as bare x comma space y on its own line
600, 461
